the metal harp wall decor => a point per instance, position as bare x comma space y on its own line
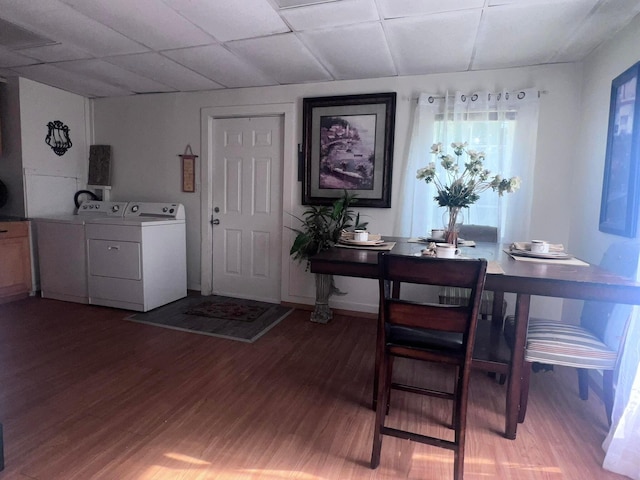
58, 137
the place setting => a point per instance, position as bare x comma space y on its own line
363, 239
542, 251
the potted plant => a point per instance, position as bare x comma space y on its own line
320, 229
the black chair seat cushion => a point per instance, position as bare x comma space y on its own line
423, 339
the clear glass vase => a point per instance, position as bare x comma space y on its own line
452, 219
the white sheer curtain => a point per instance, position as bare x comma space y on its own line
503, 125
623, 439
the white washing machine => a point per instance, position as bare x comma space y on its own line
138, 262
61, 251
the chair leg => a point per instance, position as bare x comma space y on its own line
583, 383
383, 391
608, 393
389, 374
459, 425
456, 390
524, 390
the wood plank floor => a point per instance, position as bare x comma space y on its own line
86, 395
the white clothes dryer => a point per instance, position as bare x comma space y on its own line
138, 262
61, 250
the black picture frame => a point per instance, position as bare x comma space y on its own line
620, 189
348, 145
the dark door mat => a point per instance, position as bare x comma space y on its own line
217, 316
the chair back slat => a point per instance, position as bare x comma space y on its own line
444, 318
442, 272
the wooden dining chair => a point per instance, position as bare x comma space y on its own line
429, 332
594, 344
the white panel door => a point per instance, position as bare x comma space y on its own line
247, 230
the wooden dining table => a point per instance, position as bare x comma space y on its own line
550, 278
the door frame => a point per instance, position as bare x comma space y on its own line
208, 116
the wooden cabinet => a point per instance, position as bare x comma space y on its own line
15, 261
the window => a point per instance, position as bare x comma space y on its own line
504, 127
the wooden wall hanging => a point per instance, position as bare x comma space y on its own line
188, 170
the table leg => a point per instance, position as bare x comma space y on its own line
514, 387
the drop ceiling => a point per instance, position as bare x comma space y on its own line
99, 48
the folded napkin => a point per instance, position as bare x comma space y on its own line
526, 246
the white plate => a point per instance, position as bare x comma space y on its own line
548, 255
368, 243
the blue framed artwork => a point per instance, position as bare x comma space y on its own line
621, 185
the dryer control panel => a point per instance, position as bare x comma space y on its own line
165, 211
98, 208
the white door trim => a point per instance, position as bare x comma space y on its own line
289, 169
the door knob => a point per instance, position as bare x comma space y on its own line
215, 221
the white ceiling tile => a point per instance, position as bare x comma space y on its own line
65, 25
150, 22
298, 3
113, 75
56, 77
282, 57
13, 36
345, 12
55, 53
493, 3
95, 47
164, 70
13, 59
230, 19
609, 17
528, 34
435, 43
408, 8
218, 64
6, 73
358, 51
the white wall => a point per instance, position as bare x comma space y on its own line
50, 180
589, 148
600, 68
147, 132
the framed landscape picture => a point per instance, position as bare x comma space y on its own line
621, 185
348, 145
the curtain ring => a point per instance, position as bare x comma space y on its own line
431, 99
474, 97
521, 95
